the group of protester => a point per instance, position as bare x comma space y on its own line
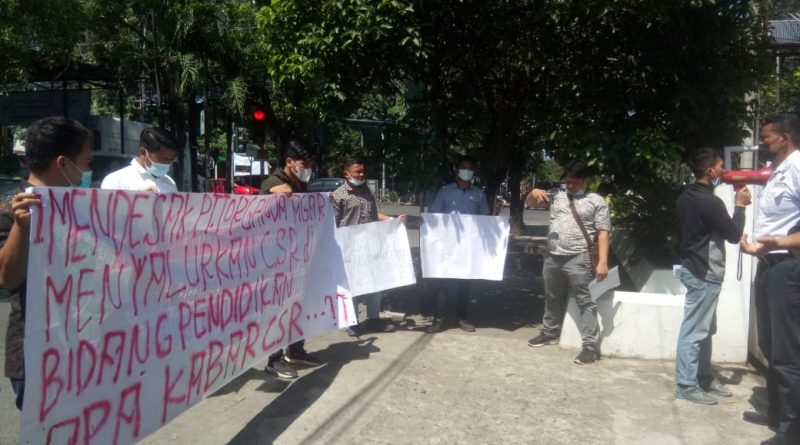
58, 152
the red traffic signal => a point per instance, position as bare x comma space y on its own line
259, 114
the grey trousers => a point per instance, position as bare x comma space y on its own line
568, 277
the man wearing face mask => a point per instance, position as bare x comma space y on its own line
778, 211
458, 197
292, 178
58, 152
149, 171
577, 218
704, 226
354, 203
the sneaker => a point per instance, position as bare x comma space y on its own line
466, 326
436, 326
353, 331
586, 357
755, 417
715, 387
378, 325
542, 340
694, 394
279, 368
302, 358
777, 439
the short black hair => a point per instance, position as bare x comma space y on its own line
351, 161
298, 150
154, 139
51, 137
701, 159
466, 158
785, 123
577, 169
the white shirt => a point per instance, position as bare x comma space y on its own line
136, 177
779, 200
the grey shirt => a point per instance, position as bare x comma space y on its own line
565, 236
470, 201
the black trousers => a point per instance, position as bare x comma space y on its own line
783, 295
452, 298
764, 275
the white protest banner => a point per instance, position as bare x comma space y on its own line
453, 245
141, 304
377, 256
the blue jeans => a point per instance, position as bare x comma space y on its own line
693, 359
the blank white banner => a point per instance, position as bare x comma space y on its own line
376, 255
463, 246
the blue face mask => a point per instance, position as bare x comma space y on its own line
86, 177
579, 194
157, 169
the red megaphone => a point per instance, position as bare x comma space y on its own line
741, 178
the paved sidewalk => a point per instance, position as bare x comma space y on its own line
458, 388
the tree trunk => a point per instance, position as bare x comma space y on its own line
517, 206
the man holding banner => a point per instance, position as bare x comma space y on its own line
293, 178
58, 152
149, 171
354, 203
458, 197
579, 221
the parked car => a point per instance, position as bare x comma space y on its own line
324, 184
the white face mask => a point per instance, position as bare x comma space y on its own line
303, 174
356, 182
465, 175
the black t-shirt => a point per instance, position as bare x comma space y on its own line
279, 177
15, 333
704, 227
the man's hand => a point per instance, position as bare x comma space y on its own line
282, 188
742, 198
536, 197
21, 206
602, 271
763, 245
403, 219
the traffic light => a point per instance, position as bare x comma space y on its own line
258, 125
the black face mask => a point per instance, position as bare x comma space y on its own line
764, 154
